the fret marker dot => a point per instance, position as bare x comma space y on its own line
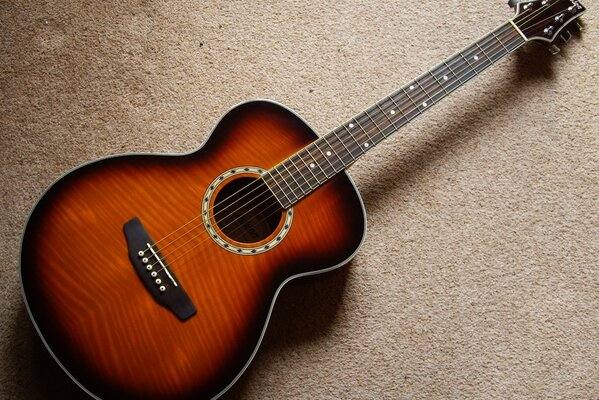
411, 87
475, 58
366, 144
445, 77
424, 104
392, 112
351, 125
312, 165
328, 153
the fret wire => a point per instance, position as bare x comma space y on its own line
324, 156
354, 139
298, 169
464, 72
419, 97
386, 116
434, 86
399, 108
315, 162
389, 109
484, 52
425, 92
465, 59
500, 42
415, 106
478, 62
320, 160
363, 125
280, 187
310, 169
493, 54
267, 175
280, 169
452, 79
286, 183
293, 177
484, 67
453, 73
519, 40
466, 75
333, 152
439, 82
368, 138
376, 126
334, 133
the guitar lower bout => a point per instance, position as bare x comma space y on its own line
219, 236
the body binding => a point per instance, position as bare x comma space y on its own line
91, 309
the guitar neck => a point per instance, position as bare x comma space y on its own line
296, 177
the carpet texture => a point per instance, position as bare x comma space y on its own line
479, 276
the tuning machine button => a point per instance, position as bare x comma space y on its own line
565, 36
553, 49
513, 3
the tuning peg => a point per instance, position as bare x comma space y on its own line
565, 36
513, 3
580, 27
553, 49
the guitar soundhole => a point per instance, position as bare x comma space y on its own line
246, 211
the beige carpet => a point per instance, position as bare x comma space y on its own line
479, 277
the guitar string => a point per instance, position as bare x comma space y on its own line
277, 210
210, 209
462, 73
262, 183
431, 97
525, 17
544, 20
287, 175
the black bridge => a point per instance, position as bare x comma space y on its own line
154, 272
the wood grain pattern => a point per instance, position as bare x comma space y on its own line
91, 307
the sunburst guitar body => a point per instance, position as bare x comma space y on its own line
90, 304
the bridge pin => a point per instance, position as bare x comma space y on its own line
162, 288
149, 267
158, 281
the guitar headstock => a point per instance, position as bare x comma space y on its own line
545, 19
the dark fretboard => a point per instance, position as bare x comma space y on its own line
299, 175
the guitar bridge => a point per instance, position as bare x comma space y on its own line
154, 271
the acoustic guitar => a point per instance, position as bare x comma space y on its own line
154, 276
